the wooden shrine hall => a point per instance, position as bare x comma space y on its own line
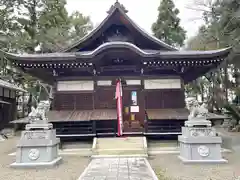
152, 73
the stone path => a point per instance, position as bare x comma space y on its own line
118, 169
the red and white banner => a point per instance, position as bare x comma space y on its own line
118, 97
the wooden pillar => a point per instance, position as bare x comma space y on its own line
54, 89
95, 88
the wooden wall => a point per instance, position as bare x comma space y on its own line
8, 110
164, 99
71, 101
102, 97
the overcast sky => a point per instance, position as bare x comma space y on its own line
142, 12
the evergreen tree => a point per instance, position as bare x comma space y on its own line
80, 24
36, 26
54, 25
40, 25
167, 27
221, 29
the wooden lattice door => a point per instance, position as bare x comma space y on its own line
133, 109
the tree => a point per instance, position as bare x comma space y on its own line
80, 24
202, 41
36, 26
54, 26
167, 27
221, 30
8, 26
42, 26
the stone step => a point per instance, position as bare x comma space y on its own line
129, 139
120, 143
117, 143
120, 146
126, 139
126, 146
119, 152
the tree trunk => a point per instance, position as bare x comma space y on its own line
226, 81
213, 89
202, 93
29, 104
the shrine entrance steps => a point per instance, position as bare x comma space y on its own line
121, 146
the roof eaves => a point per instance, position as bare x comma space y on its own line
41, 57
83, 54
195, 54
118, 44
8, 85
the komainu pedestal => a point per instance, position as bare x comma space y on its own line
38, 146
199, 143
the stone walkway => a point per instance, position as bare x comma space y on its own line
118, 169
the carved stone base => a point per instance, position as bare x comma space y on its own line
187, 161
37, 164
39, 126
37, 148
198, 122
200, 145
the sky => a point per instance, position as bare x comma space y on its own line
142, 12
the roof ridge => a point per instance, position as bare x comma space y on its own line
117, 5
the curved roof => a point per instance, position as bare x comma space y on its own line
119, 8
194, 63
121, 45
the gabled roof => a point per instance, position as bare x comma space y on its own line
118, 8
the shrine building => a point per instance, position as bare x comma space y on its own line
8, 103
84, 75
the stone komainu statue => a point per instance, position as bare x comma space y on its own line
196, 111
39, 114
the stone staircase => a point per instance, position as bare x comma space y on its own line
120, 146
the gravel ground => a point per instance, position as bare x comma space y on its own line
169, 167
162, 143
70, 169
